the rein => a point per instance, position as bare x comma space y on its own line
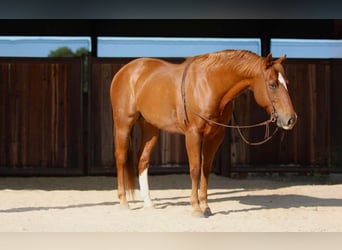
266, 123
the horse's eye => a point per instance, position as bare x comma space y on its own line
273, 85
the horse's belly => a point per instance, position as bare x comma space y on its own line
158, 106
163, 118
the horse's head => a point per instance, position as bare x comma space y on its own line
271, 93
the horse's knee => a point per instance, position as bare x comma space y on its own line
194, 172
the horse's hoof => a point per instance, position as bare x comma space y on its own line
197, 214
207, 212
149, 206
123, 206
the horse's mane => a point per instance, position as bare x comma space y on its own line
243, 61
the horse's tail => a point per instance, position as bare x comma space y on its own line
130, 170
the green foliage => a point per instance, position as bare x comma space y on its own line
81, 51
67, 52
61, 52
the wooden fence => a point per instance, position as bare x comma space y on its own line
41, 116
47, 127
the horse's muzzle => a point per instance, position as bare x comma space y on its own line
287, 122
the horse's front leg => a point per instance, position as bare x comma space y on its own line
193, 143
209, 149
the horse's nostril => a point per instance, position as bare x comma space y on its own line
292, 120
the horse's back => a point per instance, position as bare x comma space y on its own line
138, 70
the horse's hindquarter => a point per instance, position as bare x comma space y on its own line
157, 94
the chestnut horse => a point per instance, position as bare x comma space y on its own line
175, 98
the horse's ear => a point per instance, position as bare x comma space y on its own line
281, 59
268, 61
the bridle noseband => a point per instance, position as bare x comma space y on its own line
273, 117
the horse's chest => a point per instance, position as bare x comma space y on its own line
211, 131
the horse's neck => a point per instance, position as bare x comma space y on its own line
234, 92
231, 85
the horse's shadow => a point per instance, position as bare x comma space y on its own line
45, 208
258, 202
275, 201
162, 203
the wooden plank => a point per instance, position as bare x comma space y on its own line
35, 109
63, 103
322, 142
336, 114
25, 119
46, 114
13, 114
4, 112
106, 119
298, 78
100, 137
313, 109
76, 139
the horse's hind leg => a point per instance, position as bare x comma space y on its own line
148, 142
122, 141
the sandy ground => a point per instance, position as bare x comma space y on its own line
252, 204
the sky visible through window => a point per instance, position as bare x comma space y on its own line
124, 46
39, 46
306, 48
170, 47
16, 46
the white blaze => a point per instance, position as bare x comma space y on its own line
281, 79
